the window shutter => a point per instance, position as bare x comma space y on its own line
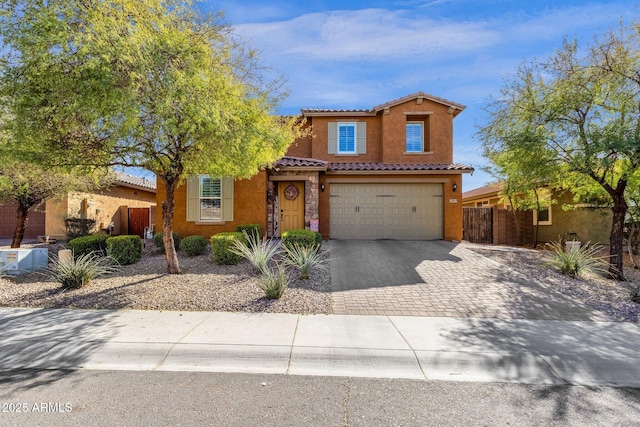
362, 138
193, 198
227, 199
333, 137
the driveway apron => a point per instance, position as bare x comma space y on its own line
439, 279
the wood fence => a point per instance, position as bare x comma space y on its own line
497, 225
477, 225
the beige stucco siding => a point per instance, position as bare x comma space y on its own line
105, 206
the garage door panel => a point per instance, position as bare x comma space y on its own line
392, 211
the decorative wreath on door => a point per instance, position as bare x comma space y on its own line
291, 192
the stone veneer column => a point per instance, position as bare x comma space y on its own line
311, 189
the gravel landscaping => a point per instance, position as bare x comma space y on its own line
602, 294
202, 286
205, 286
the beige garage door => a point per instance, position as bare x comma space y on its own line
387, 211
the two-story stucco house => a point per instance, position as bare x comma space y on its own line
383, 173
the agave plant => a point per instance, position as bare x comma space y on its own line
304, 258
258, 251
78, 272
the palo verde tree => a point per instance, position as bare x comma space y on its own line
577, 112
151, 84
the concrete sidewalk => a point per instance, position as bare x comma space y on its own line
486, 350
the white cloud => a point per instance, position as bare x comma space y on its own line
369, 34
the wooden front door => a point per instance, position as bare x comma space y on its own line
291, 205
138, 221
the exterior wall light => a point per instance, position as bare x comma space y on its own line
454, 187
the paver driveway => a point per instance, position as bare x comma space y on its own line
438, 278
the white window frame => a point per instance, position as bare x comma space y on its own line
355, 137
201, 198
406, 144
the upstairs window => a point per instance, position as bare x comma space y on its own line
347, 137
415, 137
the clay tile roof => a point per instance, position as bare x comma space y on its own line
299, 162
481, 191
135, 181
419, 95
332, 110
376, 109
376, 166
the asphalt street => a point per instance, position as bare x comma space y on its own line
113, 398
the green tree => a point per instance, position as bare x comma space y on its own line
29, 186
151, 84
574, 113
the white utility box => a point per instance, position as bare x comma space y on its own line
18, 261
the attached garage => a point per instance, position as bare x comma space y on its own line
387, 211
35, 222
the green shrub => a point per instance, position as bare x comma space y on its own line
157, 240
258, 251
125, 249
79, 272
305, 238
274, 283
575, 262
194, 245
95, 243
249, 229
221, 245
304, 258
318, 238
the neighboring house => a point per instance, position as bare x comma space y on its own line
384, 173
129, 203
563, 218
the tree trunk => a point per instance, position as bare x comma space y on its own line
21, 224
168, 205
616, 240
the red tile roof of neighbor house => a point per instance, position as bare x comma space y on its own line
378, 108
377, 166
135, 181
483, 191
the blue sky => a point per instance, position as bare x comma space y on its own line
358, 54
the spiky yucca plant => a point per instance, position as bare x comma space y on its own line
258, 251
304, 258
78, 272
274, 282
576, 262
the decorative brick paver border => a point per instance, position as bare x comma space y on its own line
439, 279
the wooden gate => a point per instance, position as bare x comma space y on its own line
477, 225
138, 221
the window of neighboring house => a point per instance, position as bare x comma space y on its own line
543, 216
415, 137
347, 137
210, 199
